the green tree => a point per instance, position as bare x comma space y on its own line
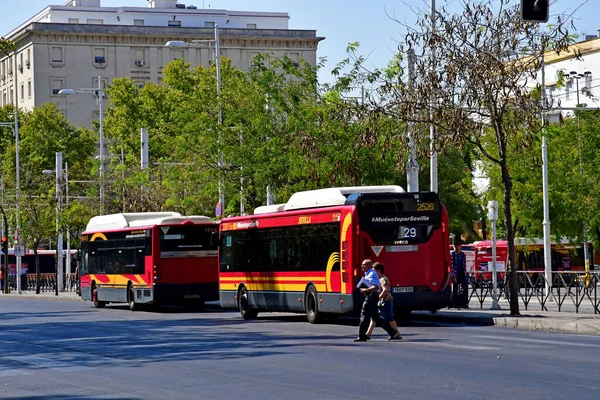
481, 94
43, 132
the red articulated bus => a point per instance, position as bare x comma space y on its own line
304, 256
149, 258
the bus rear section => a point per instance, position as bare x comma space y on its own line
408, 234
149, 258
185, 270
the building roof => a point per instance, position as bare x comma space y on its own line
61, 13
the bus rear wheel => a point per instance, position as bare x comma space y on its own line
312, 305
97, 303
243, 305
133, 306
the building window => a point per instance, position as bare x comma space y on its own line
140, 83
568, 88
104, 84
29, 89
177, 53
139, 57
57, 84
21, 62
174, 23
209, 24
4, 98
56, 54
251, 58
250, 26
94, 21
22, 92
10, 95
295, 57
28, 60
138, 22
73, 20
99, 55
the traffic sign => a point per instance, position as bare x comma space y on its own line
218, 209
19, 250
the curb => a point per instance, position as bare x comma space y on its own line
41, 296
566, 324
586, 327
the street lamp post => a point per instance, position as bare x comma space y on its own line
575, 75
15, 128
217, 56
59, 237
545, 194
99, 93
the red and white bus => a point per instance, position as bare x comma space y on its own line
305, 256
149, 258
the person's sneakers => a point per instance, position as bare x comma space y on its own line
397, 337
359, 339
368, 337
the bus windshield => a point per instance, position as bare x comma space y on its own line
188, 241
403, 218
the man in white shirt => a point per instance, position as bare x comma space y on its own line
369, 309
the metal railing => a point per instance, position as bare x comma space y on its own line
47, 283
568, 291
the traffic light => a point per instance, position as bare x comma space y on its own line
535, 10
4, 246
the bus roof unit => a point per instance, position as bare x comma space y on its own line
130, 220
269, 209
333, 196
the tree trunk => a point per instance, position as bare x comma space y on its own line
37, 268
510, 233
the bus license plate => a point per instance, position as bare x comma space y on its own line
403, 289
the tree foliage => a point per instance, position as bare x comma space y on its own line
477, 88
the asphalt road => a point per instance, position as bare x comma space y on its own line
69, 350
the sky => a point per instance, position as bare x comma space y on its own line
368, 22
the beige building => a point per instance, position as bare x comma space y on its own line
70, 46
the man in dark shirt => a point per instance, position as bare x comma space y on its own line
459, 277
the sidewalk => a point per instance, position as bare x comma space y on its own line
570, 322
63, 296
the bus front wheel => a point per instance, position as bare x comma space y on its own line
244, 306
97, 303
312, 305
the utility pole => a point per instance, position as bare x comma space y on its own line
412, 166
433, 162
59, 235
546, 202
